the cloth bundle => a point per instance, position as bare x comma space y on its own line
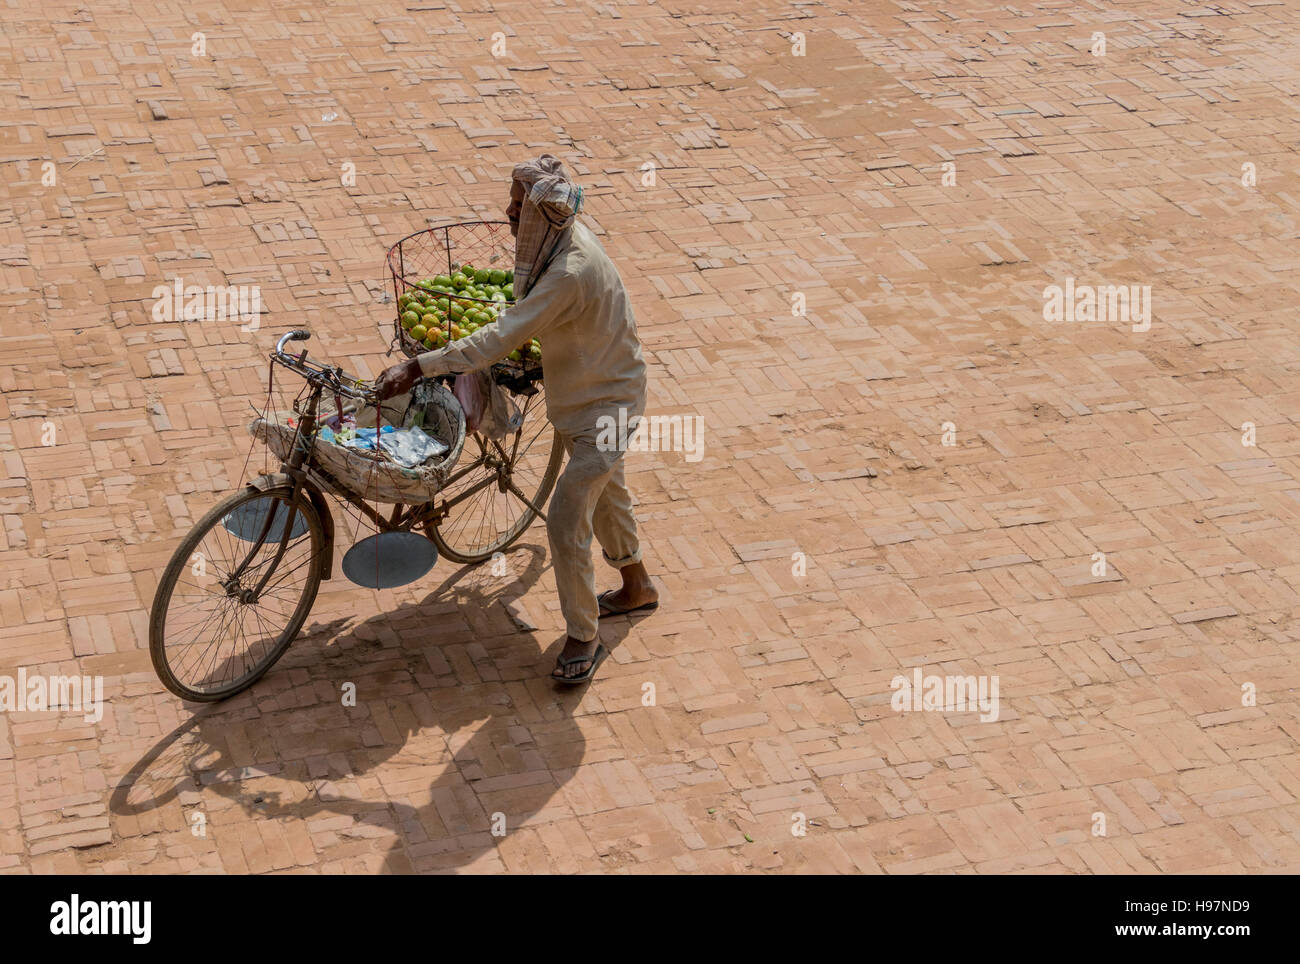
551, 201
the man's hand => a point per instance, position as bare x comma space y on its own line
398, 380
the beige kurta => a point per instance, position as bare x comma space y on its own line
580, 312
592, 358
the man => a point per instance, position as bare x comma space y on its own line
570, 296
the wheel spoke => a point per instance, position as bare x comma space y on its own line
513, 477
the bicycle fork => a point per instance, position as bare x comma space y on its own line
293, 469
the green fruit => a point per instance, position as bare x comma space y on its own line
410, 319
515, 356
419, 332
443, 281
509, 291
430, 344
498, 276
459, 281
482, 276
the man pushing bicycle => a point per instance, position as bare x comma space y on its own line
568, 291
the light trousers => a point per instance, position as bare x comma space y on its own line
590, 498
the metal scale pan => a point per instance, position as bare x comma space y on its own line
389, 559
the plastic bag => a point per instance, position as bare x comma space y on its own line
409, 447
469, 393
502, 417
359, 438
488, 409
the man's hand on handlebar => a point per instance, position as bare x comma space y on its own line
398, 380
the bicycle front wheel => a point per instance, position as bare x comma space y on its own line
230, 601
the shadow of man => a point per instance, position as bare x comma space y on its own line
476, 705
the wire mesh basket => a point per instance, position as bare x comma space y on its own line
449, 281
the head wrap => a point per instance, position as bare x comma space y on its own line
546, 217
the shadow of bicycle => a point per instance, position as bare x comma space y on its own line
475, 708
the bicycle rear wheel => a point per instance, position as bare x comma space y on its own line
212, 633
496, 484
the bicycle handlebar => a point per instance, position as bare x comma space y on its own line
329, 377
298, 334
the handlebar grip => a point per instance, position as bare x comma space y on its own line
298, 334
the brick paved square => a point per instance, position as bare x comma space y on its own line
840, 224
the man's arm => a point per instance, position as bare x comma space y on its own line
555, 297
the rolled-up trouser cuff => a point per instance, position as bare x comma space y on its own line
629, 560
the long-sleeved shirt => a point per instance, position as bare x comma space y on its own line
580, 312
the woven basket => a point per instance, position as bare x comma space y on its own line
361, 474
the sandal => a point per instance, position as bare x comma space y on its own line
595, 658
644, 608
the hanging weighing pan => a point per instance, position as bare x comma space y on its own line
247, 519
389, 559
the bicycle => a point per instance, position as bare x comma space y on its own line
241, 584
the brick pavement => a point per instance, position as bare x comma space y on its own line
917, 178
